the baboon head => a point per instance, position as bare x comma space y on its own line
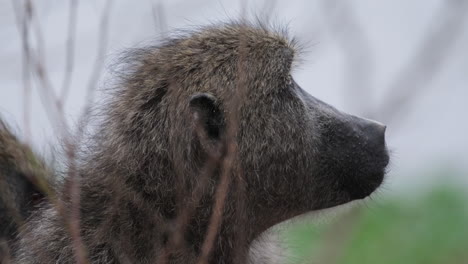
295, 152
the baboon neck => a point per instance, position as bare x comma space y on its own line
231, 239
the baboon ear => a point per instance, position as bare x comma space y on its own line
207, 117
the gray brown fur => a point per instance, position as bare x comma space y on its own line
21, 173
294, 152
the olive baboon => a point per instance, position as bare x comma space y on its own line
170, 115
19, 193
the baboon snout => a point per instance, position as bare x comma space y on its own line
371, 155
373, 131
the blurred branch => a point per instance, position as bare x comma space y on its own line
427, 61
69, 57
268, 9
159, 16
357, 53
54, 105
75, 186
228, 168
32, 63
219, 201
413, 78
102, 47
22, 22
216, 154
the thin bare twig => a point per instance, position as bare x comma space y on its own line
216, 154
24, 17
228, 163
54, 109
220, 198
75, 187
70, 52
159, 16
239, 254
24, 25
33, 64
357, 52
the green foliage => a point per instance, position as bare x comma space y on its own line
432, 228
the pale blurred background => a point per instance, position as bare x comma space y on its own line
401, 62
